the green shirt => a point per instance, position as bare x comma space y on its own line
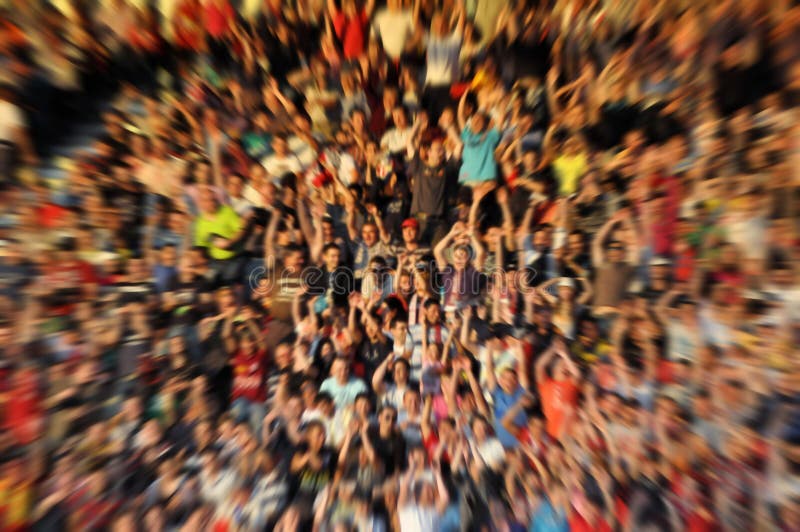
224, 223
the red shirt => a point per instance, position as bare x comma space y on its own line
188, 29
558, 401
351, 32
578, 524
218, 18
248, 376
23, 411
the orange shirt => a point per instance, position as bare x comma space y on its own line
558, 400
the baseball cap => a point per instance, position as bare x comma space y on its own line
410, 222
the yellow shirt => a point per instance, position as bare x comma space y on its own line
15, 501
569, 170
224, 223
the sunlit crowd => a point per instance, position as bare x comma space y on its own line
402, 266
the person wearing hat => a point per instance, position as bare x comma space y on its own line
566, 307
411, 248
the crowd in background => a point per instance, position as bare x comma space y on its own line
417, 266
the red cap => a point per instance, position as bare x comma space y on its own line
410, 222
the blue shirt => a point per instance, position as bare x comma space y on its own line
478, 163
548, 519
502, 404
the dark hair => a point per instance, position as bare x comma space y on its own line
330, 245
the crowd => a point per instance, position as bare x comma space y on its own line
423, 266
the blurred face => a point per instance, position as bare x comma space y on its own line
400, 374
478, 123
331, 259
168, 256
433, 313
369, 233
339, 370
461, 257
410, 233
405, 284
411, 401
316, 437
436, 153
235, 186
387, 418
508, 381
480, 430
566, 293
283, 355
206, 201
399, 118
280, 146
615, 253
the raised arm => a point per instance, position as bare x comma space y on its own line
662, 308
543, 288
599, 241
352, 230
488, 362
542, 363
269, 239
378, 385
386, 237
438, 251
522, 364
587, 293
462, 109
480, 251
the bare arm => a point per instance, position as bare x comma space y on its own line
599, 241
305, 223
378, 386
488, 361
269, 238
662, 309
480, 251
438, 251
588, 292
541, 364
461, 114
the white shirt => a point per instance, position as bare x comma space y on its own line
347, 170
302, 150
416, 519
276, 165
395, 140
394, 28
442, 63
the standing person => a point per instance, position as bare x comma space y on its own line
350, 24
442, 59
248, 352
614, 262
421, 505
219, 229
396, 28
559, 393
480, 139
218, 19
432, 179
